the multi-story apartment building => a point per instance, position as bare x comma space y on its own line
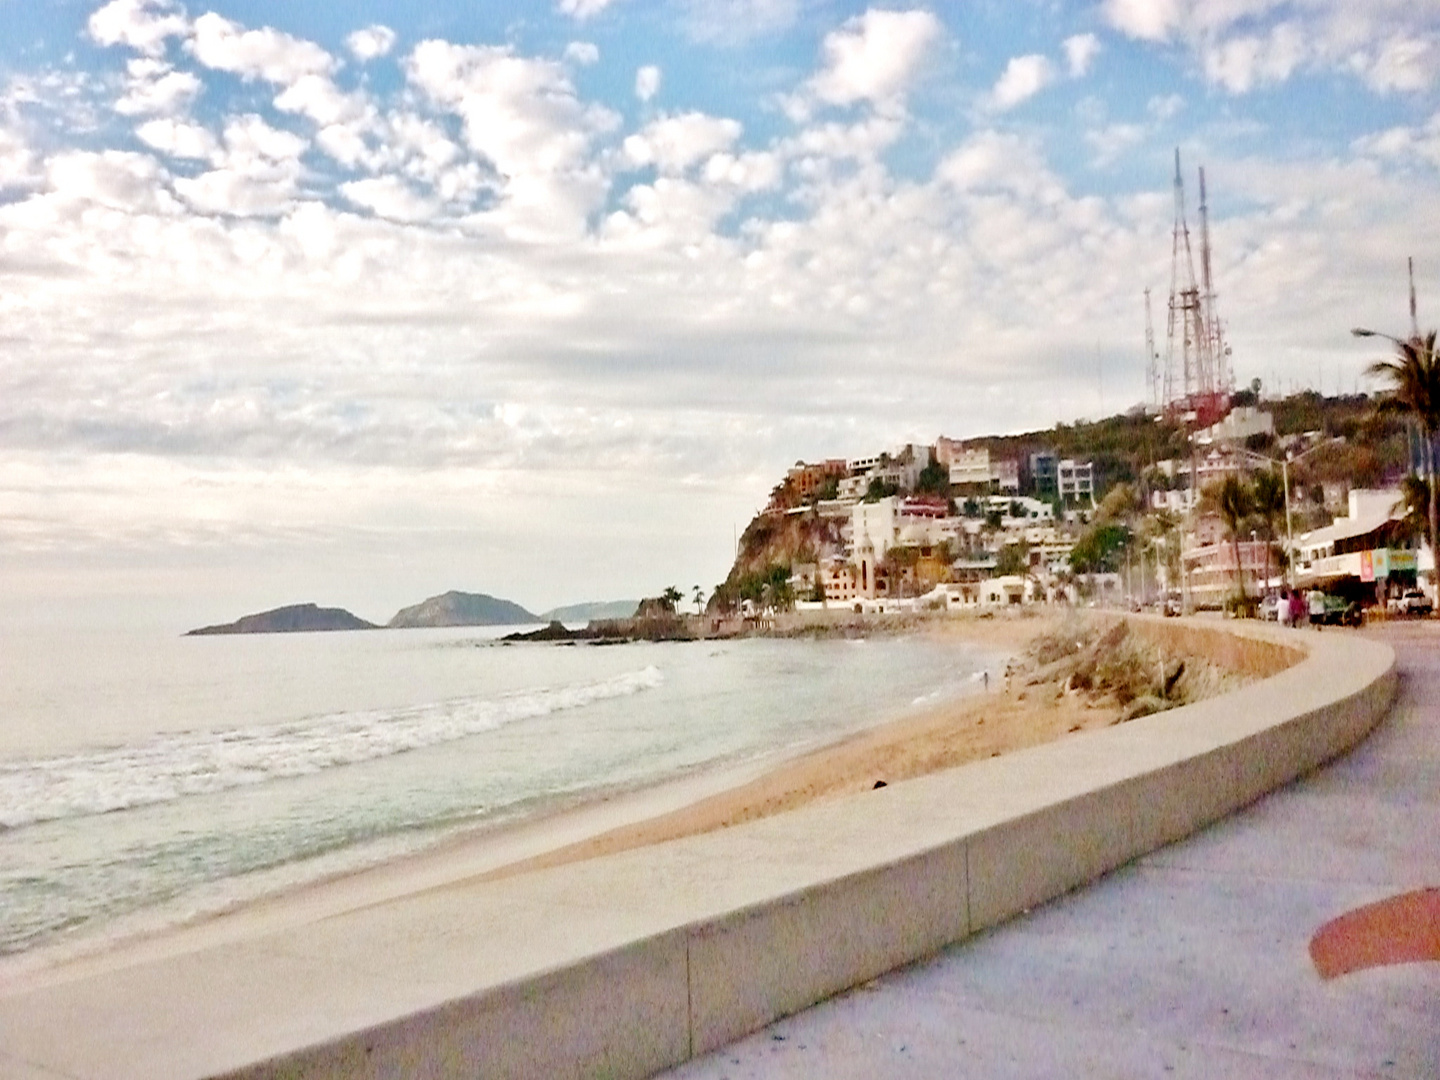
1075, 480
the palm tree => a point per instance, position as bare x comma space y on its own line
1414, 378
671, 596
699, 598
1231, 500
1268, 494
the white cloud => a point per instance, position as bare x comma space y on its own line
113, 179
265, 54
317, 97
19, 166
1242, 45
143, 25
584, 53
523, 117
1023, 78
256, 172
371, 42
154, 88
647, 82
583, 9
1404, 64
1405, 145
1148, 20
733, 22
674, 143
1165, 107
1241, 63
1112, 140
179, 139
874, 57
389, 197
1080, 52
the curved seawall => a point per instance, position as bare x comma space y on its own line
624, 965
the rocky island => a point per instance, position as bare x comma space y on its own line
294, 618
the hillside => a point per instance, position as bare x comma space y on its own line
1370, 450
294, 618
462, 609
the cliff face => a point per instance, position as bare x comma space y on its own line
295, 618
462, 609
786, 539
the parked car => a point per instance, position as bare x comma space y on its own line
1413, 602
1342, 612
1270, 607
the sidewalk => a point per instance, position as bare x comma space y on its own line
1191, 962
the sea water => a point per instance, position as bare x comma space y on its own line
141, 773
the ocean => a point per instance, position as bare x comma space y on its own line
146, 779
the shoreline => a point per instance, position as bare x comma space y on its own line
936, 737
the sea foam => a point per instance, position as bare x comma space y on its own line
171, 767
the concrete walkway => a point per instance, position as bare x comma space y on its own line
1191, 962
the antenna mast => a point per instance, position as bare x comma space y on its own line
1221, 380
1196, 376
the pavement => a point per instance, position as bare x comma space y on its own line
1193, 961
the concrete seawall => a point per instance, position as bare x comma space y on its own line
627, 964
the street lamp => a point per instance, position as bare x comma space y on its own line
1284, 464
1360, 331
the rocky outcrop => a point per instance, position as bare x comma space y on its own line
295, 618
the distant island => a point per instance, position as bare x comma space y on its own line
462, 609
453, 608
600, 609
295, 618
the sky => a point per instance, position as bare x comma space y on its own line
355, 303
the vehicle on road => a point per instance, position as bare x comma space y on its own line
1413, 602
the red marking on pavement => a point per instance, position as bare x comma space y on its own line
1404, 929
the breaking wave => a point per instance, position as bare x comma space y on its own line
200, 763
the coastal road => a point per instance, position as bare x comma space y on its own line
1193, 961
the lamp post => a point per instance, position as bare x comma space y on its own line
1284, 464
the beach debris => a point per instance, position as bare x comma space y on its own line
1107, 663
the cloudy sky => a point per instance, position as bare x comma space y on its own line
358, 302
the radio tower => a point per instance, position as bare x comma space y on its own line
1224, 381
1192, 390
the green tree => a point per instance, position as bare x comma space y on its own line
670, 597
1415, 505
1099, 549
1268, 495
698, 595
934, 479
879, 489
1414, 389
1232, 501
1014, 559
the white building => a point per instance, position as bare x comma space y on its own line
876, 523
1242, 422
971, 470
1076, 480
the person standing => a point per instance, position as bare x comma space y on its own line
1317, 608
1282, 608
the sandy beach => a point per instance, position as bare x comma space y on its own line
991, 722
